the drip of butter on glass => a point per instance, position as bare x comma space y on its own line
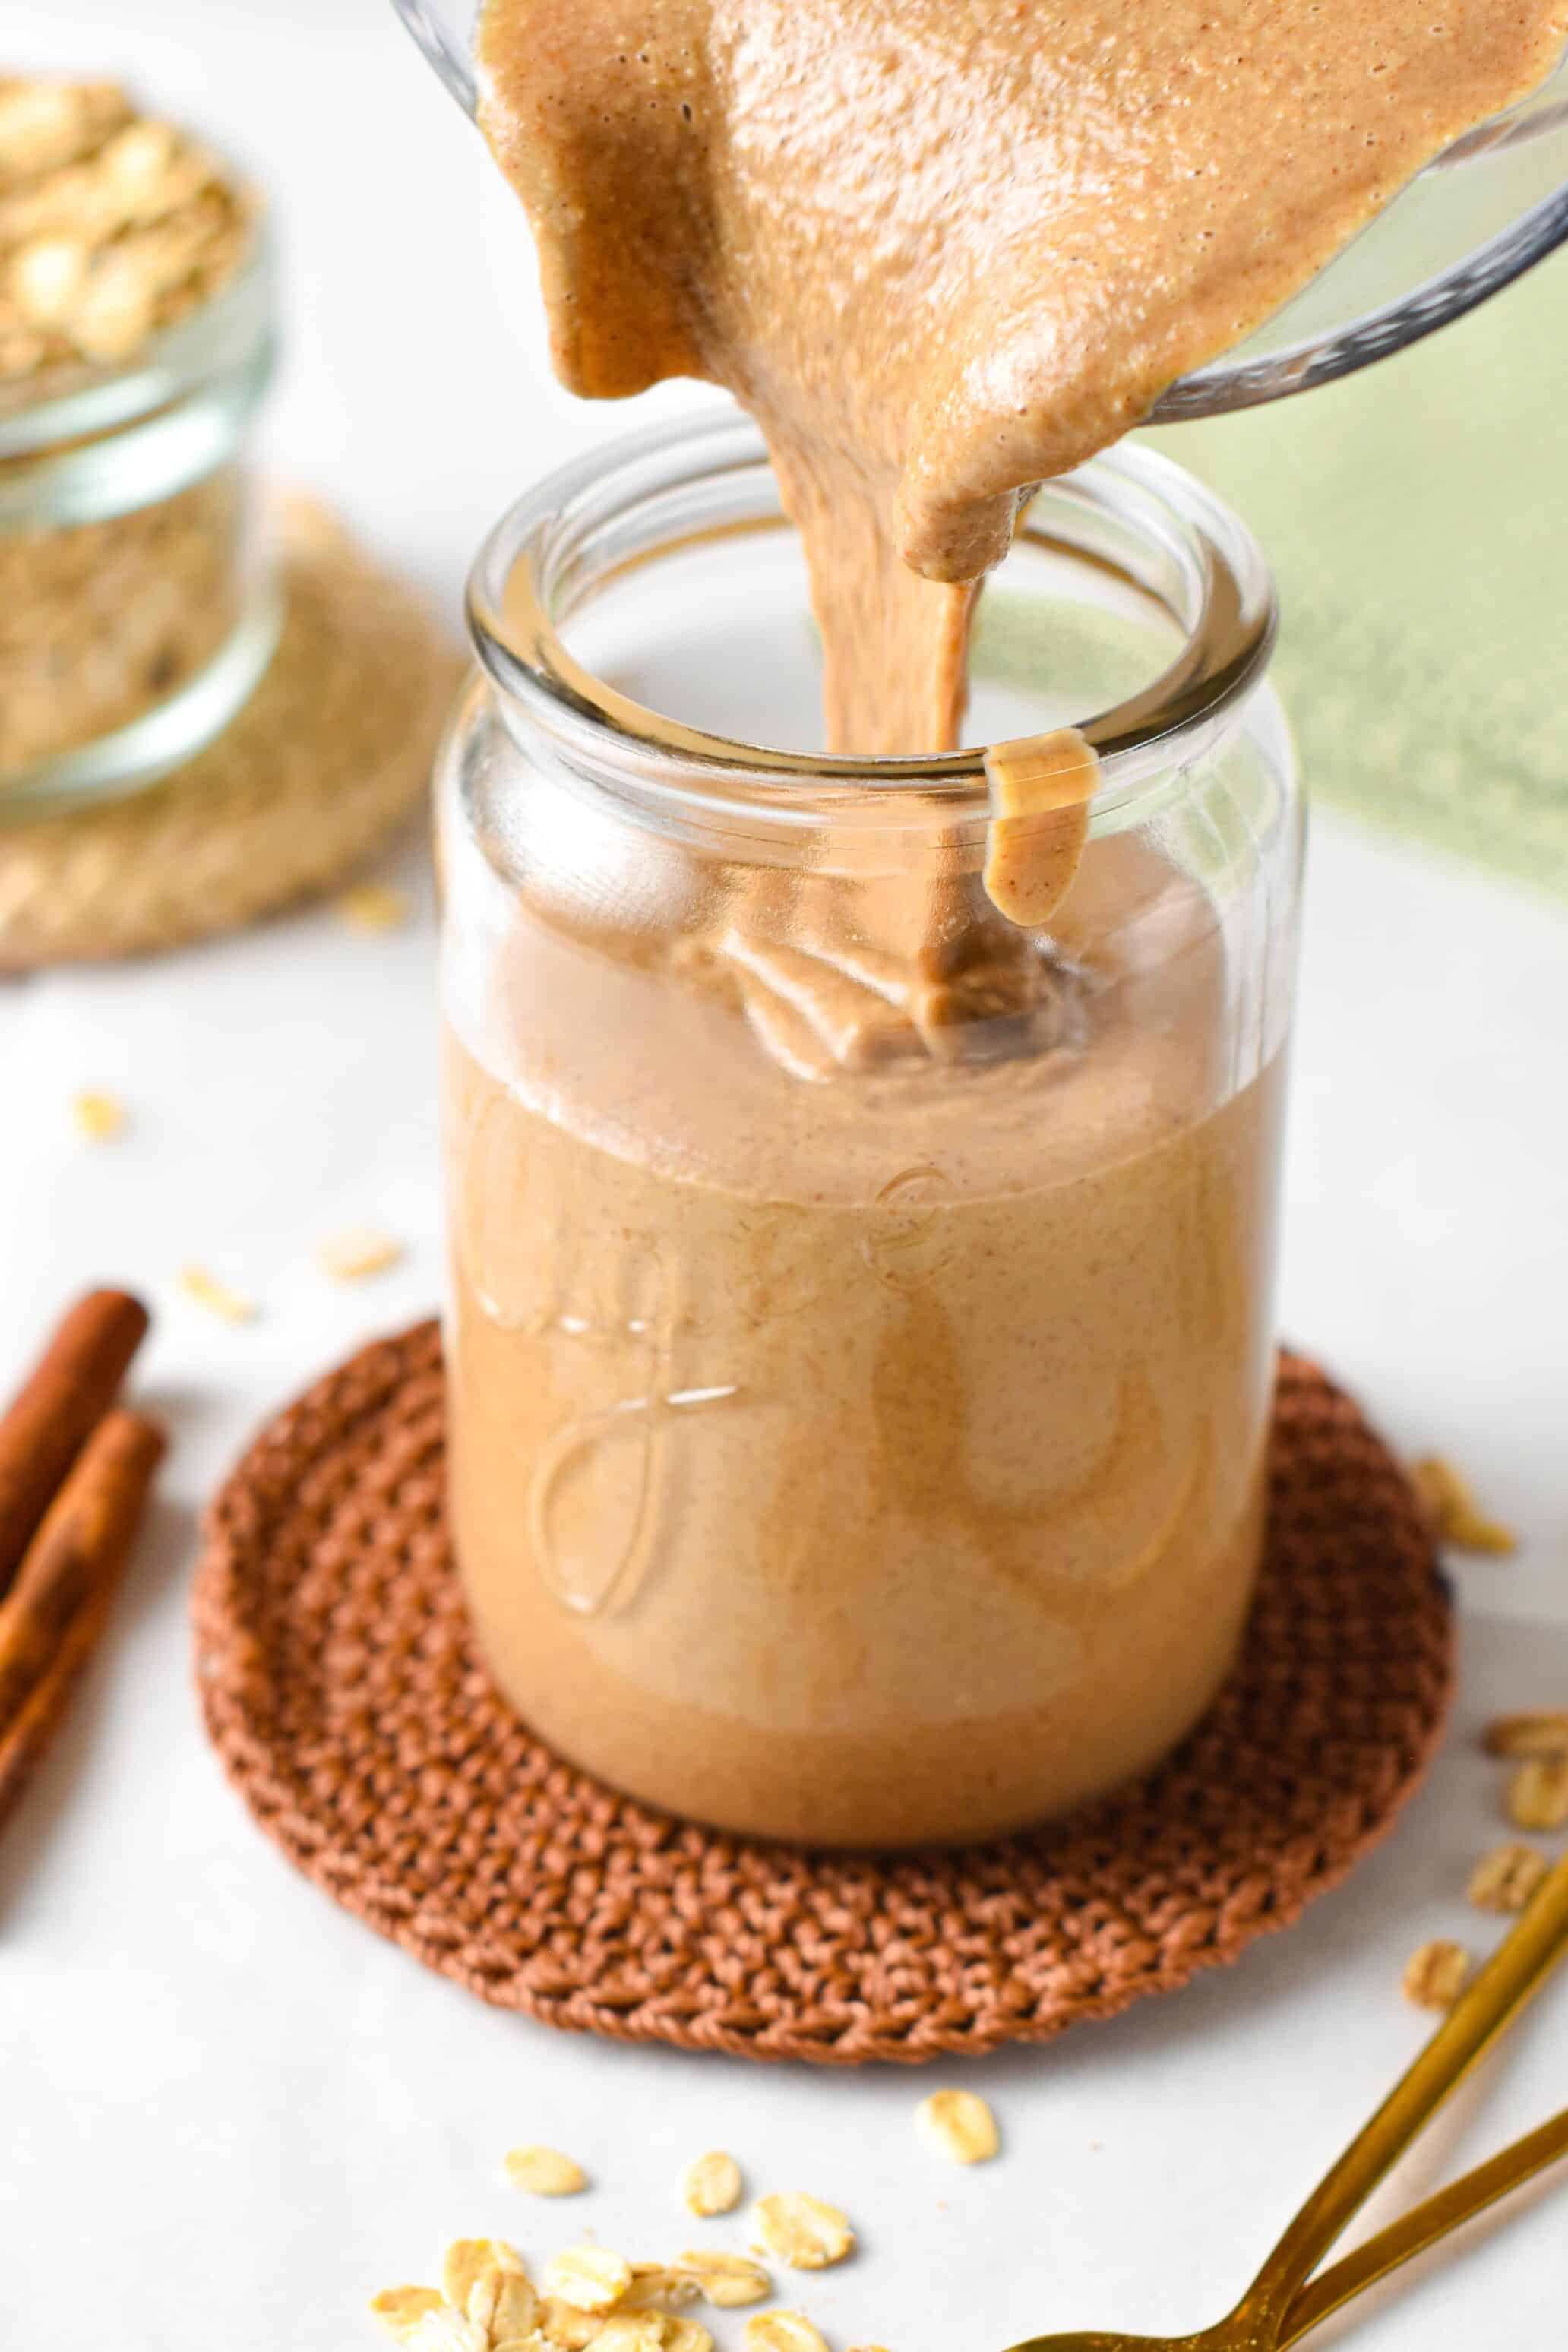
1041, 786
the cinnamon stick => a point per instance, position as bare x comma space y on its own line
68, 1392
24, 1744
51, 1620
78, 1551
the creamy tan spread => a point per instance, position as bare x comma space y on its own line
860, 1340
944, 248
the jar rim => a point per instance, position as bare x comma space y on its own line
589, 520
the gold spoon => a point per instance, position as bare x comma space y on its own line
1424, 2225
1280, 2306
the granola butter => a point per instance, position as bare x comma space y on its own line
942, 251
873, 1458
858, 1351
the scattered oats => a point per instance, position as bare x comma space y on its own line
1505, 1879
1435, 1975
488, 2302
656, 2287
399, 2308
590, 2278
205, 1290
727, 2280
781, 2331
682, 2334
712, 2184
632, 2331
804, 2231
506, 2305
350, 1256
1543, 1732
446, 2331
567, 2328
960, 2124
1538, 1794
372, 907
1450, 1504
98, 1116
544, 2172
473, 2273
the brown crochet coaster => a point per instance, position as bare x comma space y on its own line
342, 1689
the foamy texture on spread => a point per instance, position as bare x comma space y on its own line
580, 981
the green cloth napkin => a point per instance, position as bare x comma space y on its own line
1416, 518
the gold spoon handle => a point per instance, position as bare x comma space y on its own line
1517, 1969
1424, 2225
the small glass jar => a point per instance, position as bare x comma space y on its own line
138, 606
860, 1335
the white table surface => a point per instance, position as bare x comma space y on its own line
227, 2112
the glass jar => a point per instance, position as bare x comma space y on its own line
859, 1341
138, 608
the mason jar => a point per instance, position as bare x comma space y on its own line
138, 604
860, 1330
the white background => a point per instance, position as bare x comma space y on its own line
228, 2113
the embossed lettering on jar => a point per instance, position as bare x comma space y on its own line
860, 1339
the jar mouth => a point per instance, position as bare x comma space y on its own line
1129, 513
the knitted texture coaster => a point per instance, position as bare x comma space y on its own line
331, 751
342, 1690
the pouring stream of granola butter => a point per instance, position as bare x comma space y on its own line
861, 1334
944, 248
